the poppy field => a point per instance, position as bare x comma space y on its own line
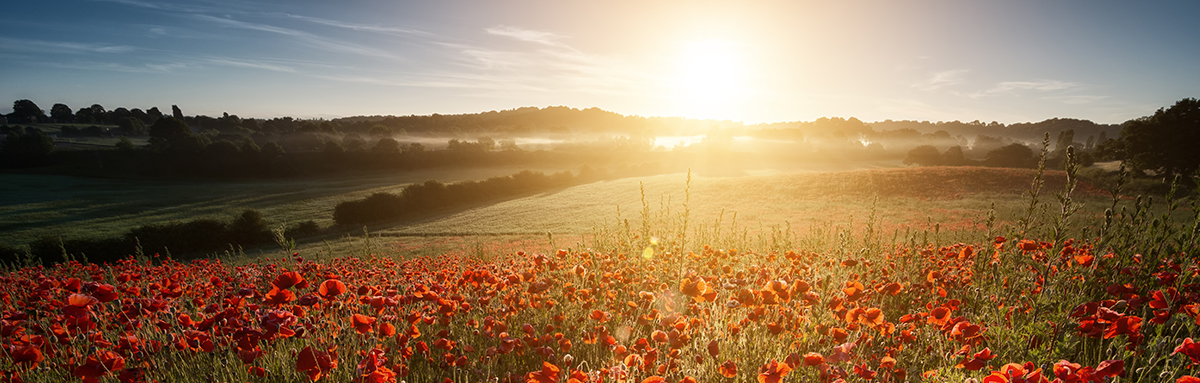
1034, 299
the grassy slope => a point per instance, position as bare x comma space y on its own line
954, 199
72, 207
907, 196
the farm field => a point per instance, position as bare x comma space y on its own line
951, 203
71, 207
655, 301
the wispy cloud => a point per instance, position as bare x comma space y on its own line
551, 64
540, 37
1040, 85
60, 46
359, 27
165, 6
252, 64
313, 40
941, 79
1077, 99
1011, 88
442, 81
118, 67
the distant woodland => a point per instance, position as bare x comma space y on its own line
134, 142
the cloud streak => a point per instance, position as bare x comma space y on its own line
1041, 86
118, 67
252, 64
540, 37
310, 39
941, 79
61, 46
359, 27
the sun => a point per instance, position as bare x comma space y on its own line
710, 79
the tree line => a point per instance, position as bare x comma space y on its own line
1160, 145
182, 240
433, 196
1151, 145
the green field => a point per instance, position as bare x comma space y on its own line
948, 204
73, 207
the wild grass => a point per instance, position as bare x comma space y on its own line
670, 273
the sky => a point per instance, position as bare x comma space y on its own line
755, 61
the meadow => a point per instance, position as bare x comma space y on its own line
38, 205
941, 274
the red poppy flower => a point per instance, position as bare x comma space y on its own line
978, 361
81, 300
316, 364
813, 359
102, 292
548, 374
26, 354
697, 288
1114, 367
373, 369
1189, 348
863, 371
288, 279
773, 372
102, 363
939, 316
893, 288
854, 291
362, 323
1125, 325
278, 296
331, 288
1066, 370
728, 369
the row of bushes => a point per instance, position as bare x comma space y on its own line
433, 195
181, 239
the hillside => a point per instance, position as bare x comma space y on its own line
906, 196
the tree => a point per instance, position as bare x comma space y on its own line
353, 143
153, 114
176, 112
27, 111
1165, 142
386, 145
486, 143
132, 126
380, 131
98, 114
954, 157
170, 134
1011, 156
1065, 139
924, 155
221, 149
124, 144
84, 116
31, 146
118, 114
272, 150
62, 113
334, 151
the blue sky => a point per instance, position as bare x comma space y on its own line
1006, 61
